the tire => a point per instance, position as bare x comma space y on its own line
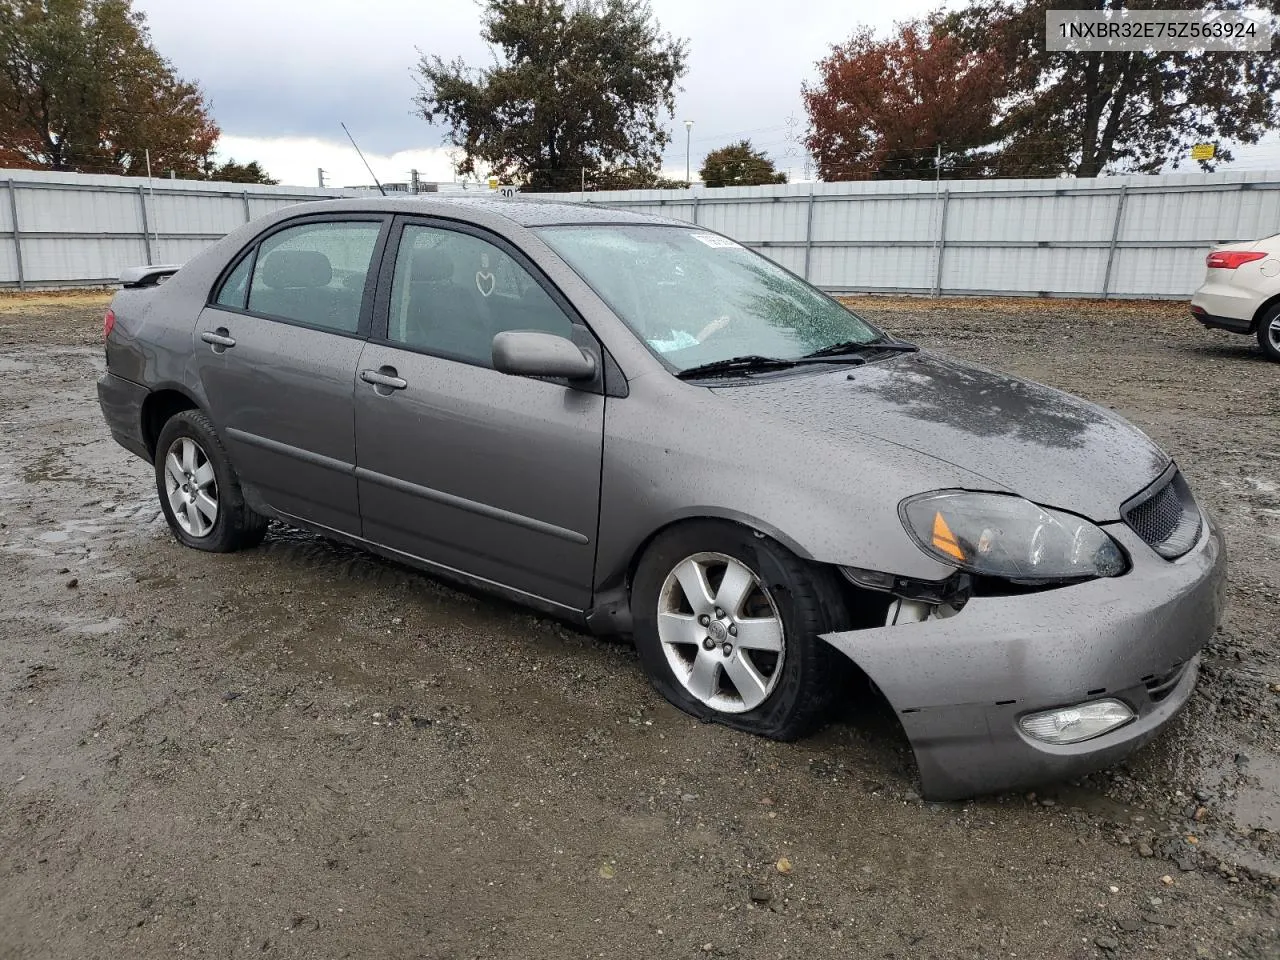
799, 683
230, 524
1269, 333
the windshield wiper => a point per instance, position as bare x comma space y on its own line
855, 346
744, 364
849, 351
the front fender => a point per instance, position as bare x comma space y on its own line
827, 503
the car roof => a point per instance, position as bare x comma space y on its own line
519, 210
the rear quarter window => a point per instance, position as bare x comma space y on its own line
235, 288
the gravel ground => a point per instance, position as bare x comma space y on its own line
303, 751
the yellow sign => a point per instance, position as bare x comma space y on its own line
493, 183
1203, 151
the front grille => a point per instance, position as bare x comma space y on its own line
1159, 687
1166, 517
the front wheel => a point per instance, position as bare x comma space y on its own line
1269, 333
727, 624
199, 490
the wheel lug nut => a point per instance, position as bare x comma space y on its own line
733, 630
704, 619
708, 644
719, 614
727, 649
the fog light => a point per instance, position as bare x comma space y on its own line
1084, 721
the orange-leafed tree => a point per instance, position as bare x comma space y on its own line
83, 89
881, 107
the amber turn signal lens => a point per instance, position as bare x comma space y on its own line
944, 539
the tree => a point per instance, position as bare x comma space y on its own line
739, 165
631, 178
1092, 113
881, 108
83, 89
576, 84
232, 172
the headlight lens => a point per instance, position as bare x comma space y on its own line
999, 535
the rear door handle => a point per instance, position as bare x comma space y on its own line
219, 338
384, 377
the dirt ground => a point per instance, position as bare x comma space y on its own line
303, 751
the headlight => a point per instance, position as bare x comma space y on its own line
999, 535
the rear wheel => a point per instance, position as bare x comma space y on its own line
198, 488
1269, 333
727, 624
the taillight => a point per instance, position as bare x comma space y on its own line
1230, 259
108, 323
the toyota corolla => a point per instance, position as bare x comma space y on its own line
641, 426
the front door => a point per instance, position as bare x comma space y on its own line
276, 358
469, 469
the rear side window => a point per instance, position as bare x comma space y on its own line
314, 274
236, 287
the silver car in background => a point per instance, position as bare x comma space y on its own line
639, 426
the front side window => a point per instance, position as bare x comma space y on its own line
695, 297
314, 274
453, 292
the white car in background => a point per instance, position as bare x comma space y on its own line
1241, 291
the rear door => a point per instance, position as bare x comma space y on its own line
469, 469
276, 354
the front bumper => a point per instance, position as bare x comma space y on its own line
959, 685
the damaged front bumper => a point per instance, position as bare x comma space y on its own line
960, 685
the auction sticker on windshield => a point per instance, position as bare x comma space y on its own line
714, 240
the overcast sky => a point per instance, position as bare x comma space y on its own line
281, 74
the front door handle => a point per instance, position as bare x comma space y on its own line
384, 377
220, 339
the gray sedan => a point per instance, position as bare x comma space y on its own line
640, 426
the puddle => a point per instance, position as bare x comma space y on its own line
1249, 790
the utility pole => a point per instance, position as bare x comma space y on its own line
688, 133
320, 177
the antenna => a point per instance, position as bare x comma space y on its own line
365, 162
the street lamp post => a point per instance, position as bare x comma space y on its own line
688, 133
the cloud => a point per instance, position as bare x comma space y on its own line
293, 160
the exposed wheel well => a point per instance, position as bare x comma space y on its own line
862, 608
860, 604
157, 409
1262, 310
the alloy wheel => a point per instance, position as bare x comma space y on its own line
1273, 333
191, 487
721, 632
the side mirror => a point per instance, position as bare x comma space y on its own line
529, 353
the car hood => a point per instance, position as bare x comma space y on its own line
1022, 437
